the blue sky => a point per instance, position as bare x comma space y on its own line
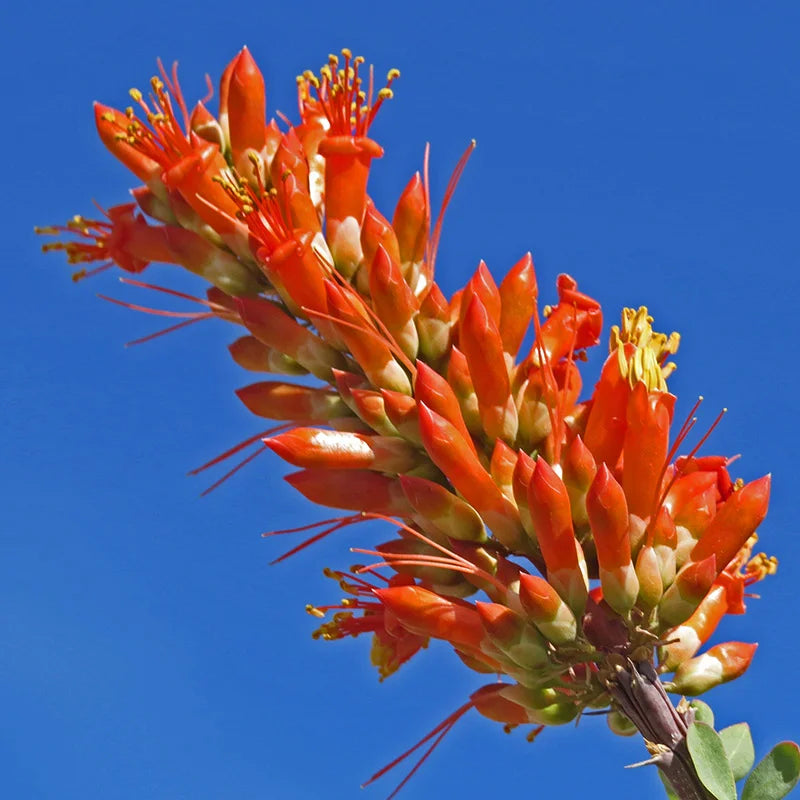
149, 651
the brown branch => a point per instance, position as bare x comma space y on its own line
641, 697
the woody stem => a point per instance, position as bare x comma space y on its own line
641, 697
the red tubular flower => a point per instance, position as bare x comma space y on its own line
574, 323
125, 240
347, 150
112, 126
579, 471
369, 406
513, 636
502, 466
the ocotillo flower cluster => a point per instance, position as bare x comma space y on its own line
588, 534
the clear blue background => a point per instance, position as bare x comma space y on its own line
148, 651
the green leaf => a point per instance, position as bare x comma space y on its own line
776, 775
668, 786
702, 712
739, 747
710, 762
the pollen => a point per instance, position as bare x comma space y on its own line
648, 361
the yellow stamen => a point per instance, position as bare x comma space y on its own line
760, 566
382, 657
652, 349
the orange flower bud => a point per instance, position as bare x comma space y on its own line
376, 232
734, 523
433, 390
691, 585
393, 300
513, 636
411, 221
483, 349
427, 614
276, 329
645, 446
482, 285
605, 428
518, 295
720, 664
246, 105
454, 517
403, 414
548, 502
302, 404
697, 629
448, 450
608, 517
358, 490
317, 447
579, 471
370, 407
434, 326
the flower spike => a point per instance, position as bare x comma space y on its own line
423, 413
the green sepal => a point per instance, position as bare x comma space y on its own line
776, 775
710, 762
739, 748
